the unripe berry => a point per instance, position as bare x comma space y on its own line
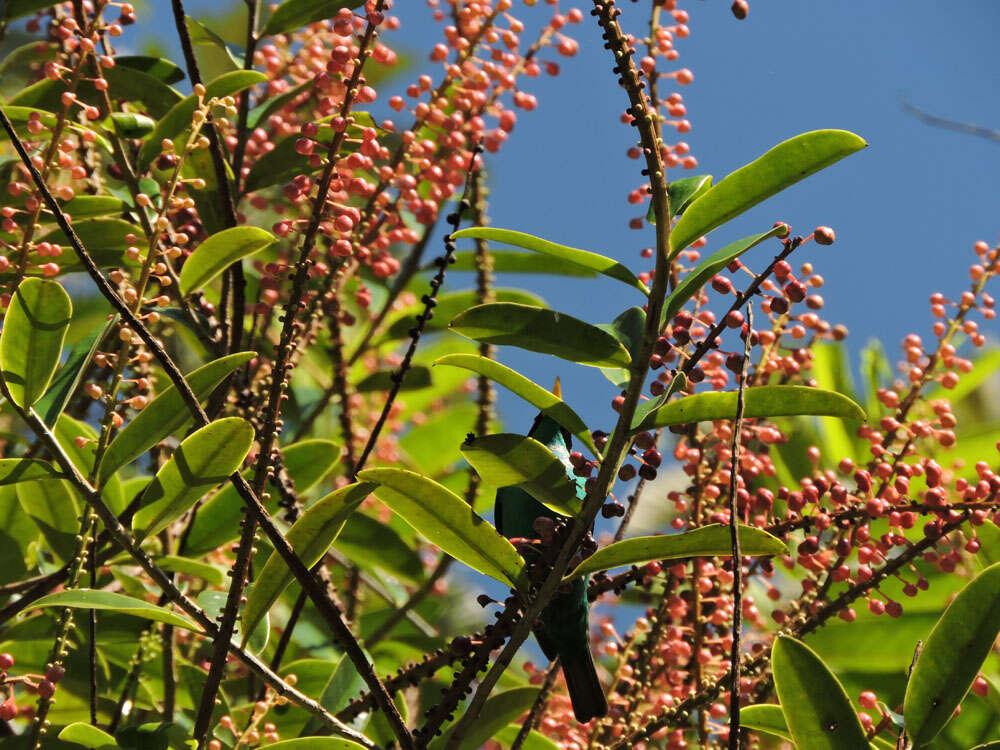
824, 236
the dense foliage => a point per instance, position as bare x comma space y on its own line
249, 438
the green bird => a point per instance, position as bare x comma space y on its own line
563, 628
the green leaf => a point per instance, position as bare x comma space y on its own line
166, 413
204, 460
509, 261
545, 401
14, 470
448, 306
417, 377
708, 268
677, 384
784, 165
214, 602
539, 329
178, 118
70, 375
262, 111
706, 541
105, 240
34, 329
568, 255
445, 519
21, 65
499, 711
215, 55
67, 432
380, 547
218, 520
89, 736
767, 719
19, 116
157, 67
130, 84
315, 743
952, 656
344, 683
92, 206
817, 710
220, 250
505, 460
294, 14
55, 510
213, 575
628, 328
535, 740
106, 600
681, 194
310, 537
131, 124
762, 402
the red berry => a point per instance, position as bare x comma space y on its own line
46, 689
55, 673
6, 662
8, 709
824, 236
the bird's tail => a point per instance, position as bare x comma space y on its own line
584, 687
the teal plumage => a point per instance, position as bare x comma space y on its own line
563, 627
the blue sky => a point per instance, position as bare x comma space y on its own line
906, 210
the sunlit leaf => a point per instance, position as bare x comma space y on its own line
681, 193
784, 165
534, 741
294, 14
817, 711
499, 711
159, 68
106, 600
644, 408
706, 541
448, 306
541, 330
561, 253
166, 413
310, 537
55, 510
628, 328
444, 519
131, 124
84, 734
34, 329
315, 743
213, 575
511, 261
220, 250
14, 470
68, 432
505, 460
766, 718
952, 656
377, 546
202, 461
215, 55
761, 402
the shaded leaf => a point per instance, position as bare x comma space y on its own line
628, 328
67, 432
541, 330
166, 413
417, 377
105, 240
448, 306
159, 68
505, 460
565, 255
706, 541
214, 602
377, 546
270, 106
294, 14
545, 401
766, 718
202, 461
310, 537
952, 656
55, 510
92, 206
708, 268
106, 600
131, 124
213, 575
444, 519
34, 329
215, 55
681, 194
534, 741
816, 708
14, 470
315, 743
677, 384
220, 250
761, 402
499, 711
784, 165
509, 261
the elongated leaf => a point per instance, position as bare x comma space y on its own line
274, 104
70, 375
417, 377
677, 384
448, 306
14, 470
34, 329
310, 537
336, 694
535, 740
294, 14
159, 68
178, 118
214, 602
126, 605
215, 55
92, 206
315, 743
952, 657
201, 462
216, 253
765, 401
784, 165
541, 330
816, 708
628, 328
545, 401
499, 711
511, 261
569, 255
218, 520
166, 413
505, 460
766, 718
55, 510
681, 194
445, 519
131, 124
707, 541
708, 268
380, 548
89, 736
20, 113
213, 575
68, 431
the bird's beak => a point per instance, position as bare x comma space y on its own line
557, 389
